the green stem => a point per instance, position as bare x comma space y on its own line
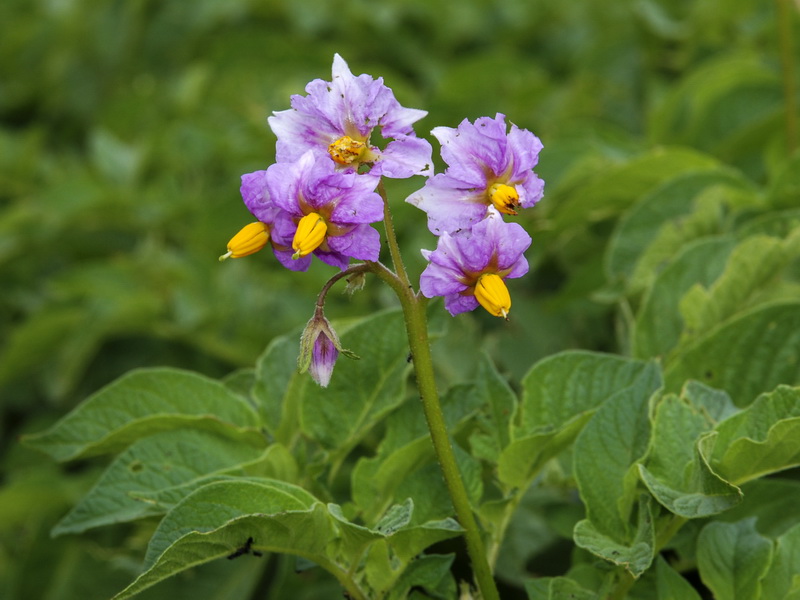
417, 331
391, 239
785, 17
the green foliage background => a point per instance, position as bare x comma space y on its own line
124, 127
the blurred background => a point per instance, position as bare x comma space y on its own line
125, 126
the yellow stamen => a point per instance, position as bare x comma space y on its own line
505, 198
310, 234
346, 150
250, 239
493, 295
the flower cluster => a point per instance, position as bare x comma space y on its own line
489, 173
319, 198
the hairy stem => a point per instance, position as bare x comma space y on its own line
391, 239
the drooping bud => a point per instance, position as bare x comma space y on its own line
346, 150
492, 294
319, 349
504, 198
250, 239
310, 234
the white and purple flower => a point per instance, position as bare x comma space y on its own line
469, 268
487, 166
336, 119
312, 208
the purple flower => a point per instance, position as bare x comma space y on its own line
337, 118
313, 208
323, 359
319, 349
487, 166
468, 268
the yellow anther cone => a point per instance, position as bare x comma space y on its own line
250, 239
310, 234
504, 198
346, 150
492, 294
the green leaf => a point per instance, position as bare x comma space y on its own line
754, 351
762, 439
341, 414
635, 556
751, 265
430, 573
658, 323
675, 471
616, 188
144, 402
732, 558
670, 585
560, 394
181, 459
772, 501
498, 404
782, 577
605, 451
638, 229
557, 588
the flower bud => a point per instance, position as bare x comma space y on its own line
250, 239
492, 294
319, 349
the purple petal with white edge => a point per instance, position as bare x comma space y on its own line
437, 280
450, 206
457, 304
298, 132
475, 152
399, 121
285, 258
404, 157
526, 148
323, 359
531, 190
256, 196
362, 243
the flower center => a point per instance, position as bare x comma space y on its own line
492, 294
250, 239
346, 150
310, 234
504, 198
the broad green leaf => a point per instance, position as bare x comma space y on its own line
557, 588
784, 189
670, 585
762, 439
299, 532
658, 323
429, 573
565, 385
675, 471
406, 448
213, 505
278, 385
616, 188
167, 460
606, 451
782, 577
638, 229
705, 219
773, 501
362, 391
354, 538
144, 402
751, 265
498, 405
560, 394
754, 351
716, 405
636, 555
732, 558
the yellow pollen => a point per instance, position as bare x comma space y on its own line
310, 234
250, 239
504, 198
346, 150
492, 294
